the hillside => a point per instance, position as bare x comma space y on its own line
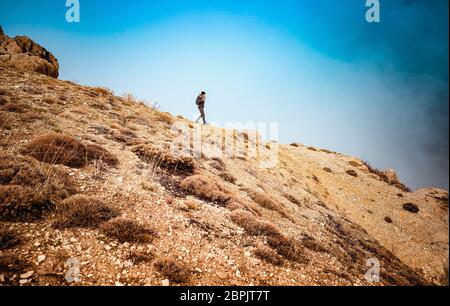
87, 177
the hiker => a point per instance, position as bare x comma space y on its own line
201, 99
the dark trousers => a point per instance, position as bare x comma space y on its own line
201, 108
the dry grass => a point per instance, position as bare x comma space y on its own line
22, 204
10, 265
138, 257
267, 254
165, 117
103, 91
253, 225
14, 107
9, 239
83, 211
45, 180
266, 201
164, 159
206, 188
124, 135
169, 268
292, 199
385, 178
228, 177
288, 248
127, 231
65, 150
352, 173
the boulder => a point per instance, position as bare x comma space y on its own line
23, 53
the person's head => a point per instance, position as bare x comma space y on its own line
203, 93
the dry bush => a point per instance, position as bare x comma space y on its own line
127, 231
4, 100
65, 150
10, 265
288, 248
228, 177
14, 107
169, 268
83, 211
382, 175
165, 117
312, 149
266, 201
292, 199
124, 135
164, 159
311, 244
138, 257
267, 254
326, 169
206, 188
9, 239
103, 91
294, 144
45, 180
253, 225
352, 173
238, 203
22, 204
355, 163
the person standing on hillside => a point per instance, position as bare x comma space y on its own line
201, 99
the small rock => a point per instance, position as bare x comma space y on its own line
41, 258
27, 275
165, 282
2, 278
247, 254
108, 248
37, 244
23, 281
73, 239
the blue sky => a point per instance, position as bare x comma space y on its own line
332, 80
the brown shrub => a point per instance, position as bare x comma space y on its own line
66, 150
45, 180
382, 175
164, 159
253, 225
83, 211
165, 117
10, 265
14, 107
123, 135
137, 257
267, 254
288, 248
127, 231
227, 177
326, 169
206, 188
292, 199
266, 201
352, 173
312, 149
103, 90
22, 204
169, 268
355, 163
311, 244
9, 239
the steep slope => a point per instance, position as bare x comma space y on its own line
142, 215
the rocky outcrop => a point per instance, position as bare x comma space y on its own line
23, 53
